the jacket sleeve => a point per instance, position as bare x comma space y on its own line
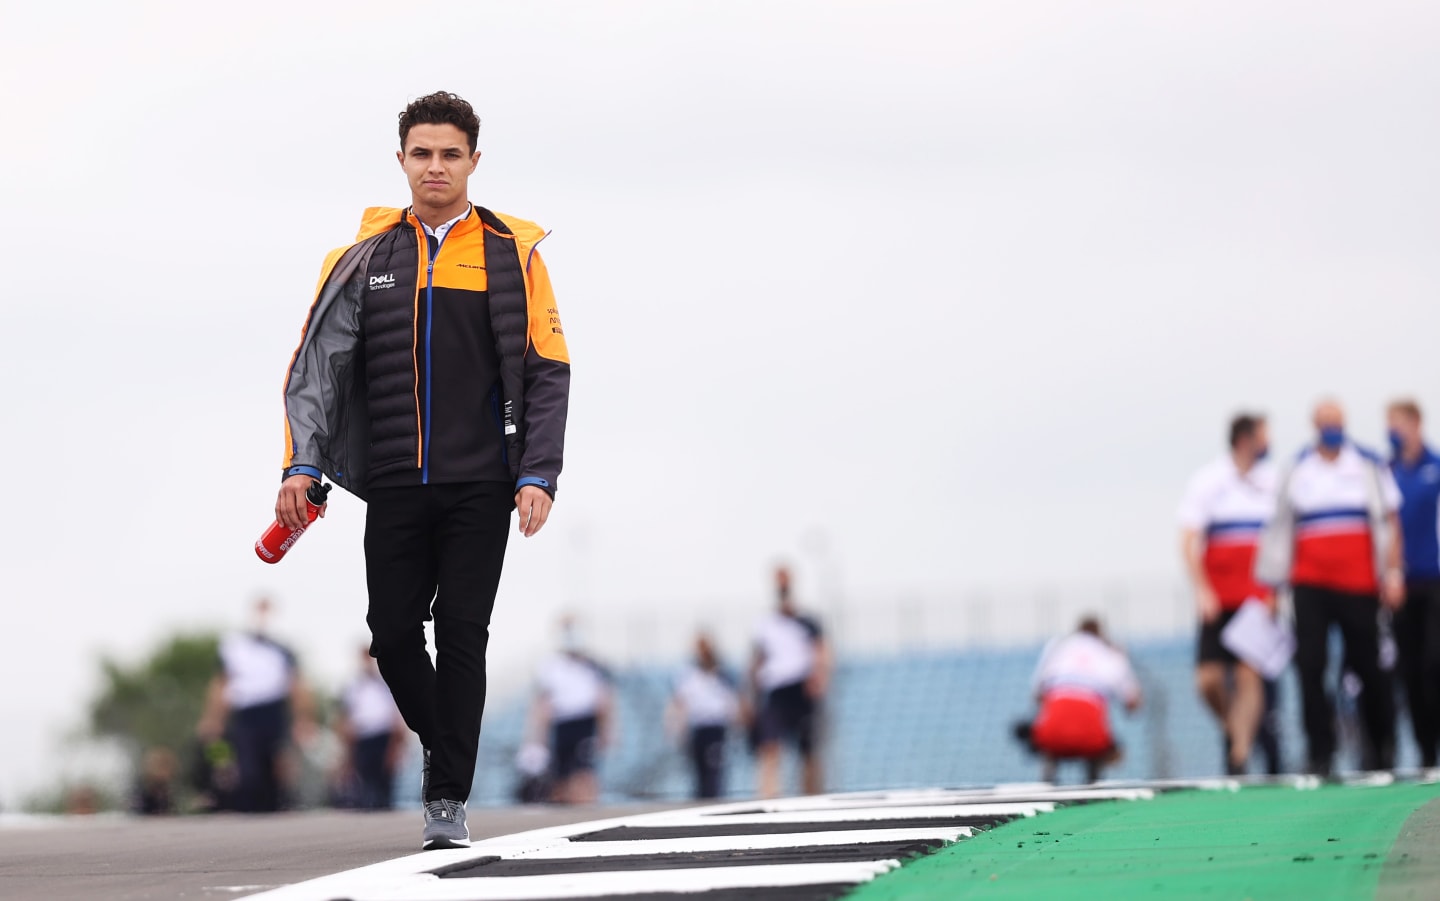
329, 341
1276, 554
547, 383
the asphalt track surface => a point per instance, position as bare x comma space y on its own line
227, 856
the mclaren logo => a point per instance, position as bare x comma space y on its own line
381, 282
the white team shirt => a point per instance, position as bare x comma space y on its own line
574, 687
369, 706
1219, 501
257, 670
1320, 487
709, 698
787, 649
1082, 662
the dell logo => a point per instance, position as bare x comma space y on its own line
381, 282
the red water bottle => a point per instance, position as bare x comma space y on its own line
278, 539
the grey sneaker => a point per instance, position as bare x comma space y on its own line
445, 826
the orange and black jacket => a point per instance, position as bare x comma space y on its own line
426, 362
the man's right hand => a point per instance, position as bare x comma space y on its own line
291, 508
1207, 602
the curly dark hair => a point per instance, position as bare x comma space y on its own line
440, 108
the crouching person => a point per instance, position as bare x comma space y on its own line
1078, 677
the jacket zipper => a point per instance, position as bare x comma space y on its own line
429, 324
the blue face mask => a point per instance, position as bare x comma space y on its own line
1332, 437
1397, 444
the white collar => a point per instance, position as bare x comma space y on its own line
440, 231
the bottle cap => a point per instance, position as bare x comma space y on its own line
317, 492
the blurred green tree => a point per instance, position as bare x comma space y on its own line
150, 710
157, 701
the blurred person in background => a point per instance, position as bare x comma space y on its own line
155, 787
574, 708
1335, 538
532, 766
704, 706
257, 703
1074, 683
790, 673
1416, 469
373, 735
1224, 509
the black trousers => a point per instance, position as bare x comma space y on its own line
1417, 638
373, 772
258, 735
707, 754
1316, 610
1267, 738
437, 550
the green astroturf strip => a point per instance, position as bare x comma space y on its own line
1257, 843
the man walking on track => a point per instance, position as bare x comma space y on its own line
791, 674
706, 703
1417, 625
1335, 539
575, 709
432, 381
257, 703
1225, 506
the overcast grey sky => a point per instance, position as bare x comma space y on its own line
972, 287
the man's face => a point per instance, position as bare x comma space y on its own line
1403, 424
437, 162
1329, 416
1260, 441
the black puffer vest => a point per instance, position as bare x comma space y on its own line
443, 356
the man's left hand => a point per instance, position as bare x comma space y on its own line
534, 507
